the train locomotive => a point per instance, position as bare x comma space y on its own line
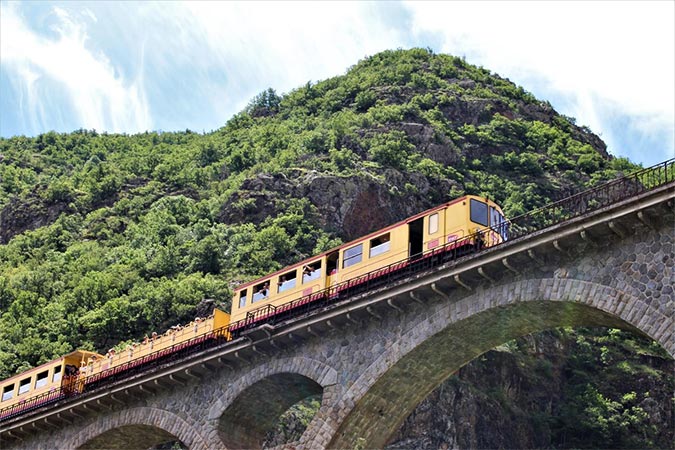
468, 222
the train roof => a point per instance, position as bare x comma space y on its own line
312, 259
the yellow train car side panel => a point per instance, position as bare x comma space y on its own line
456, 221
371, 253
173, 337
417, 235
434, 229
220, 319
281, 287
71, 371
41, 380
34, 382
284, 287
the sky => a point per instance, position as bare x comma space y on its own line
130, 67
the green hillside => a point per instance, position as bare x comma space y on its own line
105, 237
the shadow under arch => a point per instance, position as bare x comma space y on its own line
252, 406
257, 410
141, 437
376, 415
138, 428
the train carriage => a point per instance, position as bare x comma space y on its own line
75, 371
57, 377
442, 228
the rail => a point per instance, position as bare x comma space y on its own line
537, 220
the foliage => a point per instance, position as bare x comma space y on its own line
264, 104
293, 422
610, 407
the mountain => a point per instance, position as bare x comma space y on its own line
106, 237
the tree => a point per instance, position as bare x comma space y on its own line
264, 104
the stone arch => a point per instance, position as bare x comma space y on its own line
138, 428
376, 404
251, 405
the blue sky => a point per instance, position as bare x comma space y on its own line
136, 66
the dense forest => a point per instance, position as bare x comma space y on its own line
107, 237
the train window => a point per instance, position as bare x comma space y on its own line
479, 212
57, 374
24, 386
311, 271
7, 392
242, 298
287, 281
41, 379
504, 230
433, 223
261, 291
379, 245
353, 255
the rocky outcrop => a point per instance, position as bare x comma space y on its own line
491, 402
21, 215
531, 393
350, 206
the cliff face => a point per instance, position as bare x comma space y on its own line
338, 199
545, 391
105, 238
21, 215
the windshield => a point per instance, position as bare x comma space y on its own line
498, 223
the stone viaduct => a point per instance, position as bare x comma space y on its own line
374, 358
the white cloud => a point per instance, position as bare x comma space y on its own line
282, 45
36, 64
605, 58
198, 63
602, 58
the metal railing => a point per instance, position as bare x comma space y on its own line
455, 251
593, 199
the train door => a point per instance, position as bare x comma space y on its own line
416, 237
332, 264
71, 372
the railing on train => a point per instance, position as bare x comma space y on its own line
549, 215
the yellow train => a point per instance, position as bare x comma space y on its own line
456, 224
464, 224
80, 370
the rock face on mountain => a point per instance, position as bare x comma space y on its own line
540, 392
104, 238
339, 200
20, 215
